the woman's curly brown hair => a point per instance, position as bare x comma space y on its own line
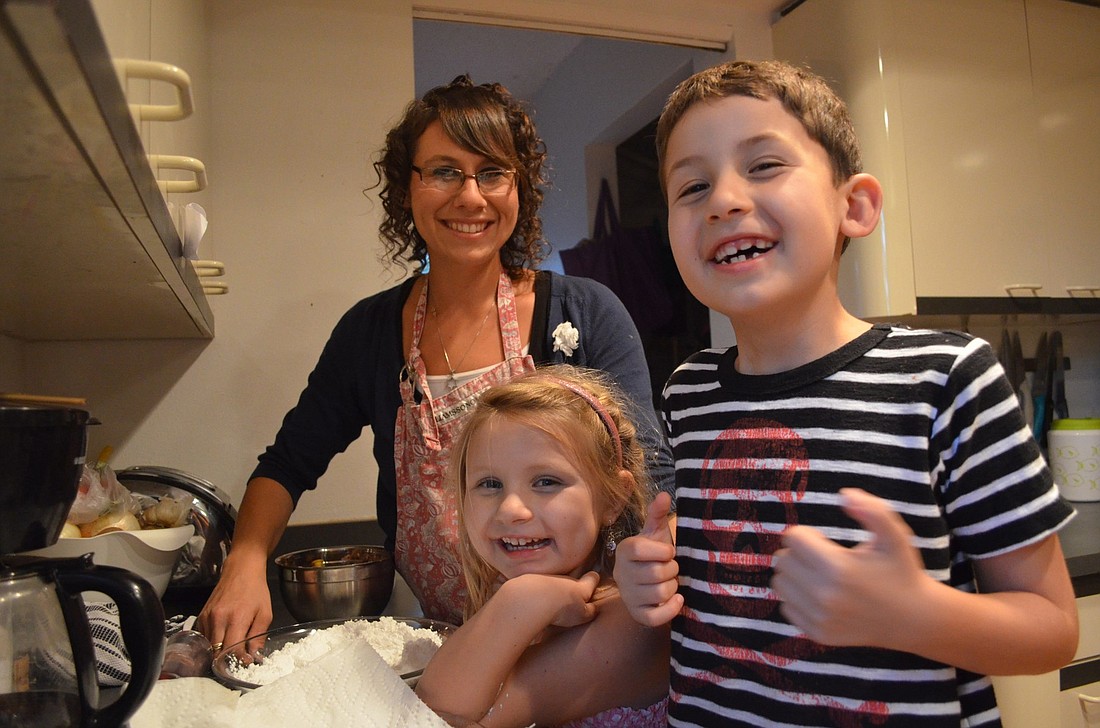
485, 120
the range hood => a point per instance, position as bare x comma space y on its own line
87, 247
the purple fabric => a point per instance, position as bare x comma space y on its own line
629, 262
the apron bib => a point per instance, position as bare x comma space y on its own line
426, 552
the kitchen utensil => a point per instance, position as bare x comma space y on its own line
151, 554
228, 657
338, 582
1019, 382
1058, 405
48, 673
1040, 389
47, 399
1004, 354
212, 515
1074, 452
41, 455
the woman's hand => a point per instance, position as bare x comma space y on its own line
240, 604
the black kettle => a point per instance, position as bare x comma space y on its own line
48, 675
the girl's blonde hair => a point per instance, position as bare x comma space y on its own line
546, 400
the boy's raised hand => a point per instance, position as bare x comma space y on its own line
851, 596
646, 568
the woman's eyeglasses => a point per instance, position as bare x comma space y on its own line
448, 179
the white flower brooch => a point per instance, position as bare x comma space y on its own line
566, 338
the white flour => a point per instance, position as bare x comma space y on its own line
403, 647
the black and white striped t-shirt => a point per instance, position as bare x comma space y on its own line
924, 419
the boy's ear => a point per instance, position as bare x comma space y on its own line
863, 195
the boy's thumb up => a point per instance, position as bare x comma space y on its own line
656, 522
890, 534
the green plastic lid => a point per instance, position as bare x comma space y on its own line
1089, 423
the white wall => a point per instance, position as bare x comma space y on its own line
300, 97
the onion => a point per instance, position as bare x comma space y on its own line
113, 521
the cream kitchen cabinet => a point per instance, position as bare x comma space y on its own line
89, 250
1054, 699
984, 143
166, 32
1080, 694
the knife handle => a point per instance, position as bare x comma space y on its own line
1040, 416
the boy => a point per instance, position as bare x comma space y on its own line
865, 527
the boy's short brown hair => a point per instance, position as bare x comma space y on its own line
804, 94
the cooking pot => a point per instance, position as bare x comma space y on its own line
41, 456
212, 515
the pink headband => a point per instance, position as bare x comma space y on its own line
598, 408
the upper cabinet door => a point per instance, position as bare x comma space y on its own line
89, 246
1065, 69
944, 102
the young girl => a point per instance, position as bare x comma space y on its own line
549, 476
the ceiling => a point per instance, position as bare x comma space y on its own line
520, 59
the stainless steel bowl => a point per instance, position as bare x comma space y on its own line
335, 583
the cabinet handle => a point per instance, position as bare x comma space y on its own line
1013, 288
187, 164
1090, 708
208, 268
1073, 291
215, 288
205, 269
157, 71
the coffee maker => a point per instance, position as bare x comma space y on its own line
48, 673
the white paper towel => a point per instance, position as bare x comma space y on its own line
352, 687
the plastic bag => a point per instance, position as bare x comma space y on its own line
102, 503
99, 494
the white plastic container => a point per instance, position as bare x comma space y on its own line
1073, 446
151, 554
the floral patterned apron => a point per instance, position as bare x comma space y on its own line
427, 515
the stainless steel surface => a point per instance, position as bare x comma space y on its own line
338, 582
212, 515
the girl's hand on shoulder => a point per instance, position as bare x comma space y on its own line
579, 607
561, 600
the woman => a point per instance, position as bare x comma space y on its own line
460, 175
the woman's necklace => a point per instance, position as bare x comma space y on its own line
452, 382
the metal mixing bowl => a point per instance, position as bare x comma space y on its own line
335, 583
